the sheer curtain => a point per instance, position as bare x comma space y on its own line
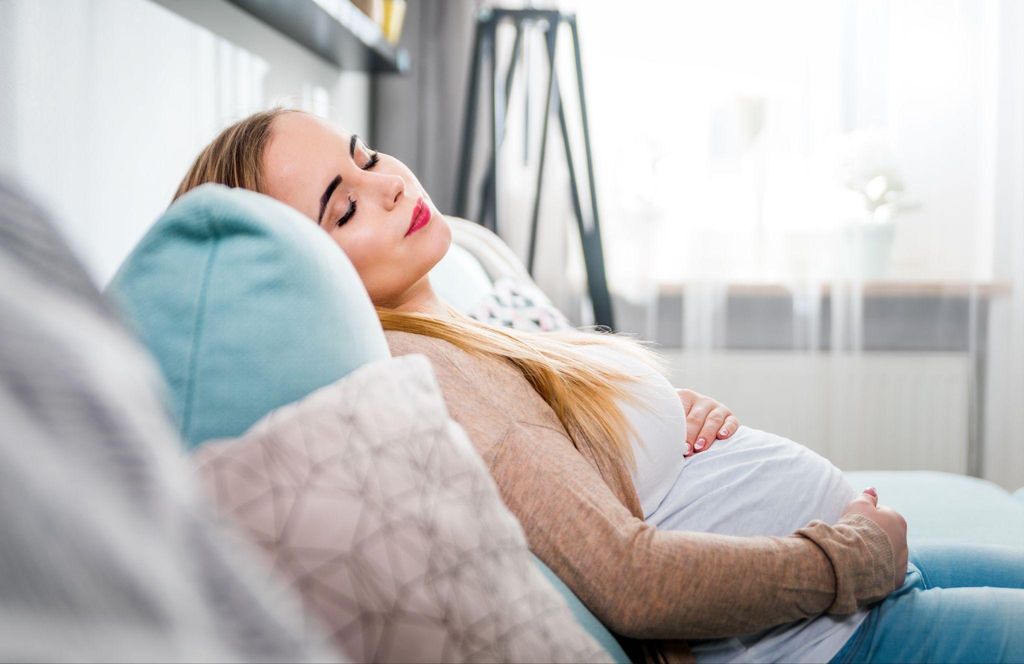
1003, 458
816, 209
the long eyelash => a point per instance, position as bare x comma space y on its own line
374, 158
348, 213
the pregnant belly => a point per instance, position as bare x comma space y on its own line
755, 483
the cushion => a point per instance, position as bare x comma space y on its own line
247, 306
108, 551
459, 279
518, 304
584, 616
944, 507
372, 502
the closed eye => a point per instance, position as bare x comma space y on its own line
348, 213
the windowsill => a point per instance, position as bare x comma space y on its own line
871, 288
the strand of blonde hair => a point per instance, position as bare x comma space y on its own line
583, 391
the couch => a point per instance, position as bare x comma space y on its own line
937, 506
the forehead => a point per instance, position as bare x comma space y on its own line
302, 156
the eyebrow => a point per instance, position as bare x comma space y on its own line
327, 196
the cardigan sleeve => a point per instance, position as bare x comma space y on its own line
655, 584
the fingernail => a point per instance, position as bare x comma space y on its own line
872, 491
700, 444
686, 449
723, 432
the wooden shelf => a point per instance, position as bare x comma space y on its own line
335, 30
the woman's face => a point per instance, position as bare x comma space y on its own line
370, 204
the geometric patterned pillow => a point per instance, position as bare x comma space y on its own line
374, 505
519, 305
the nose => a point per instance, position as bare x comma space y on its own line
392, 190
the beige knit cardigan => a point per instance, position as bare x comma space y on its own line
656, 588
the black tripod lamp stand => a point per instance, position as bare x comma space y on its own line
485, 51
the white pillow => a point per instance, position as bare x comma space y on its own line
459, 278
518, 304
376, 507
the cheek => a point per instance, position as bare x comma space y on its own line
384, 275
365, 250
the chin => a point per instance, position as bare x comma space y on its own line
440, 238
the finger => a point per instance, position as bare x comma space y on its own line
872, 495
709, 430
729, 428
687, 449
688, 398
865, 499
695, 420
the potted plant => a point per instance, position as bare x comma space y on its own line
875, 195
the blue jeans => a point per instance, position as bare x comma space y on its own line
959, 603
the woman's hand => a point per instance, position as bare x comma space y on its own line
706, 421
889, 520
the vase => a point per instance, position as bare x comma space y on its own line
869, 248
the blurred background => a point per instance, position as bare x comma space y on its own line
815, 208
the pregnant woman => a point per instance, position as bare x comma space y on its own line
751, 549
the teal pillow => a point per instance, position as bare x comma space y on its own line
583, 615
247, 306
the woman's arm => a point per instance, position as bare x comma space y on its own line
642, 582
646, 583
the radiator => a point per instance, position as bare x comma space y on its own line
891, 411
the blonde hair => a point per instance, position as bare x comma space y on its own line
235, 157
581, 389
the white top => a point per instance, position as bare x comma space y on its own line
754, 483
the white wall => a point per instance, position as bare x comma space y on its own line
105, 103
892, 411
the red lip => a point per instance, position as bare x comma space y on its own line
420, 217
